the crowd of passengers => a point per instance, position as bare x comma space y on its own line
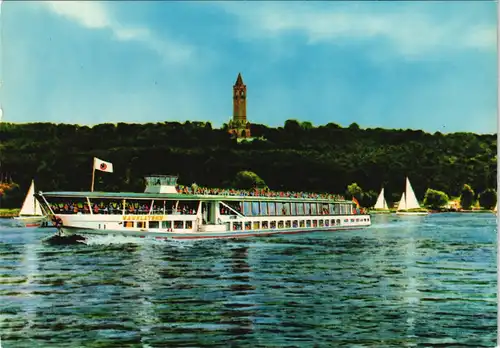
115, 208
198, 190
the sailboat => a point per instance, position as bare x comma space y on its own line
31, 214
381, 204
408, 204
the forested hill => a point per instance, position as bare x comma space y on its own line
294, 157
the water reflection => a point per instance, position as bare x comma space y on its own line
239, 308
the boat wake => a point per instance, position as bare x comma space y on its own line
56, 239
92, 239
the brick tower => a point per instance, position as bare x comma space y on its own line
239, 127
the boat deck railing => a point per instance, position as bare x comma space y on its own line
198, 190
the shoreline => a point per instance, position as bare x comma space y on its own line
438, 212
6, 213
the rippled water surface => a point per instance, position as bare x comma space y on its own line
404, 282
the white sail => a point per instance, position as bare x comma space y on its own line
402, 202
381, 203
30, 205
411, 199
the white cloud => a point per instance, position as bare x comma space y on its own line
94, 15
409, 30
482, 37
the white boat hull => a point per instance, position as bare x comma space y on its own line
68, 231
31, 221
412, 213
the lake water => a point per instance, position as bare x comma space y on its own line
404, 282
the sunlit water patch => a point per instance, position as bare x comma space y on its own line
404, 282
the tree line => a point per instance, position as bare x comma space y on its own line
295, 157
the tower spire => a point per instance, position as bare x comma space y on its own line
239, 80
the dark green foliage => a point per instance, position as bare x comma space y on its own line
353, 190
248, 180
435, 199
369, 199
297, 157
466, 197
488, 199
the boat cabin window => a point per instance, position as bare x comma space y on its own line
161, 180
160, 207
137, 206
307, 208
308, 223
237, 226
187, 207
255, 209
263, 208
321, 223
272, 208
295, 224
189, 225
286, 209
141, 224
234, 205
154, 224
280, 224
247, 208
331, 208
69, 205
279, 208
273, 224
327, 223
256, 225
166, 224
300, 208
128, 224
248, 225
314, 208
265, 225
288, 224
179, 224
325, 209
302, 223
106, 206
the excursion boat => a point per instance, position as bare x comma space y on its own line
163, 211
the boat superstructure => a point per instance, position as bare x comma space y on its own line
164, 210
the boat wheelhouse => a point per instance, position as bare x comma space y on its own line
166, 211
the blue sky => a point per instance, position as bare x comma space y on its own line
420, 65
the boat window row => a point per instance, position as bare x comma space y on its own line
286, 208
248, 225
80, 205
280, 224
164, 225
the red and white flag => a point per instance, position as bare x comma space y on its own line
103, 166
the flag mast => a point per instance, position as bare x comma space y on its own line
93, 176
